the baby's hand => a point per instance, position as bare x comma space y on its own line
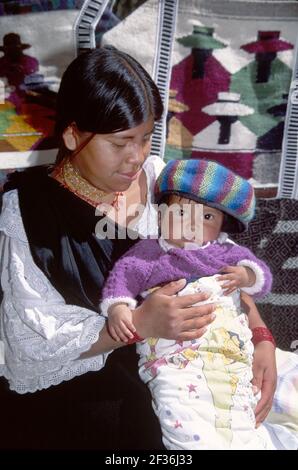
236, 277
121, 327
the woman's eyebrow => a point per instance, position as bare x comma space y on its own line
123, 137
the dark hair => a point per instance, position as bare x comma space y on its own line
104, 91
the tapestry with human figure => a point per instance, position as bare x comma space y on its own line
231, 75
35, 48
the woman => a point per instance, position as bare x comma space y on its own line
53, 267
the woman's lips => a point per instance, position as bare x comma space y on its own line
130, 176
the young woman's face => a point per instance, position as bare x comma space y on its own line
188, 221
111, 162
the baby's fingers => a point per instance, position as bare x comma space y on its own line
227, 269
113, 334
229, 287
229, 291
226, 278
127, 328
128, 325
121, 334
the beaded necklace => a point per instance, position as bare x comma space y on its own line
68, 175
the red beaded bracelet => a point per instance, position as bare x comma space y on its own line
261, 333
135, 339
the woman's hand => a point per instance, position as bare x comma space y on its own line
264, 365
164, 315
264, 378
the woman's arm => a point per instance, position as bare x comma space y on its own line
163, 315
254, 317
43, 337
104, 344
264, 364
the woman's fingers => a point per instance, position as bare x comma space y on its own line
190, 335
188, 300
260, 417
171, 288
162, 315
196, 323
264, 405
198, 311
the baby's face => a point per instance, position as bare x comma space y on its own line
188, 221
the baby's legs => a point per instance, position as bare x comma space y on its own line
203, 401
202, 392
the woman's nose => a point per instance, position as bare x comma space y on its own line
136, 153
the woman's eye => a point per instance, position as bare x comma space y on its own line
118, 145
208, 216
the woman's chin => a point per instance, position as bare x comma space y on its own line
121, 188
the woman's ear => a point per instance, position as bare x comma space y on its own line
70, 137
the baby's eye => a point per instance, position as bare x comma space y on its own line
208, 216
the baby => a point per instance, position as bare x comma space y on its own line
201, 389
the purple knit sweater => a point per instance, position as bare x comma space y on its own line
146, 265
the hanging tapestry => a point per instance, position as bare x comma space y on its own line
17, 7
35, 48
231, 75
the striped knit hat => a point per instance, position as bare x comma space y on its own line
209, 183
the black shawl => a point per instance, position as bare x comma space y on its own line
109, 409
61, 232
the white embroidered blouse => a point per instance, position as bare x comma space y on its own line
41, 335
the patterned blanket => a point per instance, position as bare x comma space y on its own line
273, 237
